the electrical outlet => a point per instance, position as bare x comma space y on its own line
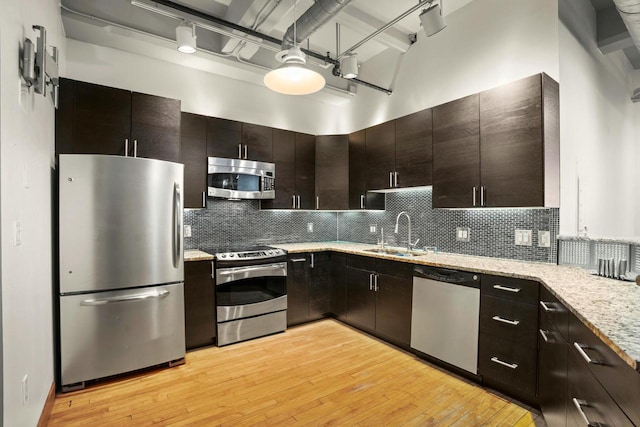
463, 234
544, 239
187, 231
25, 389
373, 228
523, 238
310, 227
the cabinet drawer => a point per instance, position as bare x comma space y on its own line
555, 311
587, 398
361, 262
513, 366
617, 377
525, 291
395, 268
511, 320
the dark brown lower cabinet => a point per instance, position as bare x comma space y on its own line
199, 304
338, 286
379, 296
308, 285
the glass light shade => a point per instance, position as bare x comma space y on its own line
349, 66
186, 38
432, 20
293, 77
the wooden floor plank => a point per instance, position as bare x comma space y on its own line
322, 373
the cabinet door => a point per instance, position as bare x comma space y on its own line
511, 146
380, 155
332, 171
393, 308
319, 284
284, 157
338, 289
155, 127
65, 117
358, 196
297, 289
361, 299
305, 170
193, 138
258, 141
414, 149
224, 138
552, 372
456, 153
102, 119
199, 304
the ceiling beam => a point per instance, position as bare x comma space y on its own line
361, 22
612, 33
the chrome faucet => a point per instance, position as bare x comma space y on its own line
410, 244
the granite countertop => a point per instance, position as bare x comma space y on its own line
610, 308
197, 255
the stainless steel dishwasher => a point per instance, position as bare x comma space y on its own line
445, 315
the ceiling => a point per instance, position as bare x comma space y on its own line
122, 25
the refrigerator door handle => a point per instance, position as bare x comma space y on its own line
137, 297
176, 224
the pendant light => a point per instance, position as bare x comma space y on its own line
293, 77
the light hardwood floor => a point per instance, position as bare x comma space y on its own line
322, 373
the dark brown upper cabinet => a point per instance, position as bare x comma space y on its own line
284, 157
359, 198
294, 157
257, 142
193, 136
380, 155
332, 172
456, 153
305, 171
413, 157
499, 148
95, 119
519, 144
224, 138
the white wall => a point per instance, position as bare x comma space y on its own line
26, 156
486, 43
200, 92
599, 132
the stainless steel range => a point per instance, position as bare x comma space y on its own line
251, 293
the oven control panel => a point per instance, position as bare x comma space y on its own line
251, 255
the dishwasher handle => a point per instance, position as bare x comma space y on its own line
446, 275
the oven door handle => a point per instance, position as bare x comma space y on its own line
226, 275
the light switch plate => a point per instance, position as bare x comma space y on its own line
310, 227
523, 238
463, 234
544, 239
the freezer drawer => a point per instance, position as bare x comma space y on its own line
108, 333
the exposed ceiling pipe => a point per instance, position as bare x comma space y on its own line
629, 11
310, 21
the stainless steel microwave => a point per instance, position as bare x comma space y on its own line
240, 179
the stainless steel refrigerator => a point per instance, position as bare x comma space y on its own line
121, 265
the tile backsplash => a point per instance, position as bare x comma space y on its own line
492, 231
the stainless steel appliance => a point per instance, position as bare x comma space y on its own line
240, 179
121, 266
251, 293
445, 315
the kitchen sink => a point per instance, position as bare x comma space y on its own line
396, 252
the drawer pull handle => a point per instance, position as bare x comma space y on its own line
507, 321
500, 362
581, 347
544, 335
546, 306
298, 259
579, 403
506, 288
